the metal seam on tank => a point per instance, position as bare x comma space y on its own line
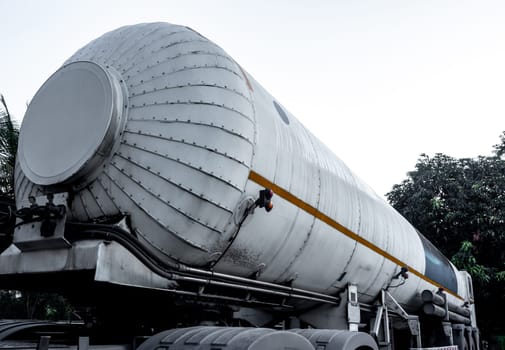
190, 85
27, 186
171, 182
135, 38
309, 233
17, 169
20, 186
84, 206
170, 45
333, 284
189, 102
109, 41
167, 47
156, 41
155, 246
154, 52
17, 189
194, 144
175, 71
104, 46
318, 200
29, 189
167, 201
255, 127
377, 275
97, 41
171, 59
106, 191
199, 169
77, 210
104, 55
87, 50
92, 195
280, 277
172, 109
94, 208
142, 50
132, 35
199, 123
97, 54
133, 57
255, 133
154, 219
22, 191
146, 30
355, 242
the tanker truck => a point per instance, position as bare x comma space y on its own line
178, 205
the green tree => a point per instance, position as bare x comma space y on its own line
18, 305
459, 205
8, 146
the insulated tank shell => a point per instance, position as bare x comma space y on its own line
183, 141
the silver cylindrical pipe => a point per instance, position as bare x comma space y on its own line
436, 310
454, 317
432, 309
429, 297
459, 310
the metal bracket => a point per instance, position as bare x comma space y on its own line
43, 343
353, 309
388, 303
83, 343
42, 223
447, 327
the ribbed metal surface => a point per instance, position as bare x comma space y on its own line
197, 126
184, 154
232, 338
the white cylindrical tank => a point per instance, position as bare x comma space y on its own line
156, 121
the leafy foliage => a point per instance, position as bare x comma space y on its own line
27, 305
9, 134
8, 147
459, 205
465, 260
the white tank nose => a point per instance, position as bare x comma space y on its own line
71, 124
152, 120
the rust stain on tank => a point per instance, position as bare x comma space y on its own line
243, 257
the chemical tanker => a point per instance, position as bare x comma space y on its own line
160, 188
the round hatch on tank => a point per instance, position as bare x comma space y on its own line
71, 125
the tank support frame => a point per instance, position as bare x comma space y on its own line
381, 329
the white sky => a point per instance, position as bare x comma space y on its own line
379, 82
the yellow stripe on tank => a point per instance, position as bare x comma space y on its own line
281, 192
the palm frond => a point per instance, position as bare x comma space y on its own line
9, 134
